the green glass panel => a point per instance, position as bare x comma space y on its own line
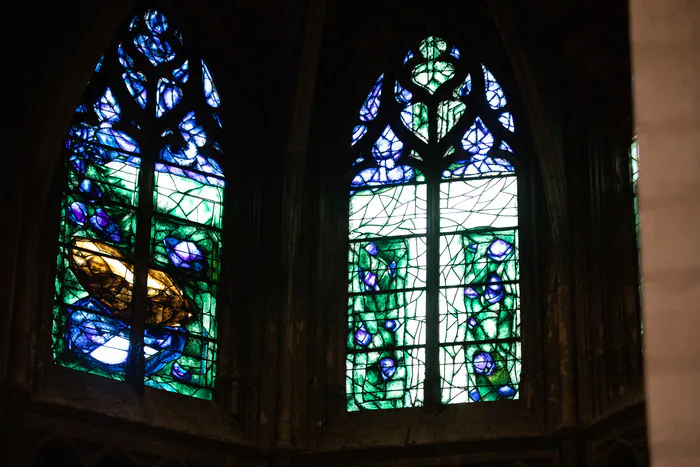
369, 388
188, 199
386, 319
433, 72
196, 249
192, 374
471, 256
480, 372
387, 264
415, 118
449, 113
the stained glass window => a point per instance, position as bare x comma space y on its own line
634, 172
138, 263
433, 267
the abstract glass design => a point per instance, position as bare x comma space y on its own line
140, 234
433, 264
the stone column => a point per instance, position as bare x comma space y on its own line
665, 36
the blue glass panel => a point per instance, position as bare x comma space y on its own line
370, 108
192, 132
357, 133
402, 94
408, 56
478, 139
136, 85
156, 22
107, 108
384, 176
210, 92
455, 52
506, 119
182, 74
465, 88
388, 147
168, 95
494, 94
477, 166
124, 59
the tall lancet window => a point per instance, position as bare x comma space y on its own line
140, 234
433, 270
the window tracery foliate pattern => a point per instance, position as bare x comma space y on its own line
433, 269
142, 206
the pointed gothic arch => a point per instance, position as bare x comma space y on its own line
434, 307
142, 211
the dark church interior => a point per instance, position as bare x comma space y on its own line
291, 76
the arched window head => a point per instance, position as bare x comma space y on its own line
140, 234
434, 308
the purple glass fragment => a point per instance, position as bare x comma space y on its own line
363, 337
494, 291
391, 325
372, 249
370, 109
180, 373
506, 391
184, 254
90, 189
392, 269
77, 212
474, 395
483, 364
388, 367
499, 250
470, 292
105, 226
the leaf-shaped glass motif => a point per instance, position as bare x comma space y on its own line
168, 95
370, 108
409, 55
104, 165
415, 118
433, 73
495, 96
136, 85
478, 139
449, 113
